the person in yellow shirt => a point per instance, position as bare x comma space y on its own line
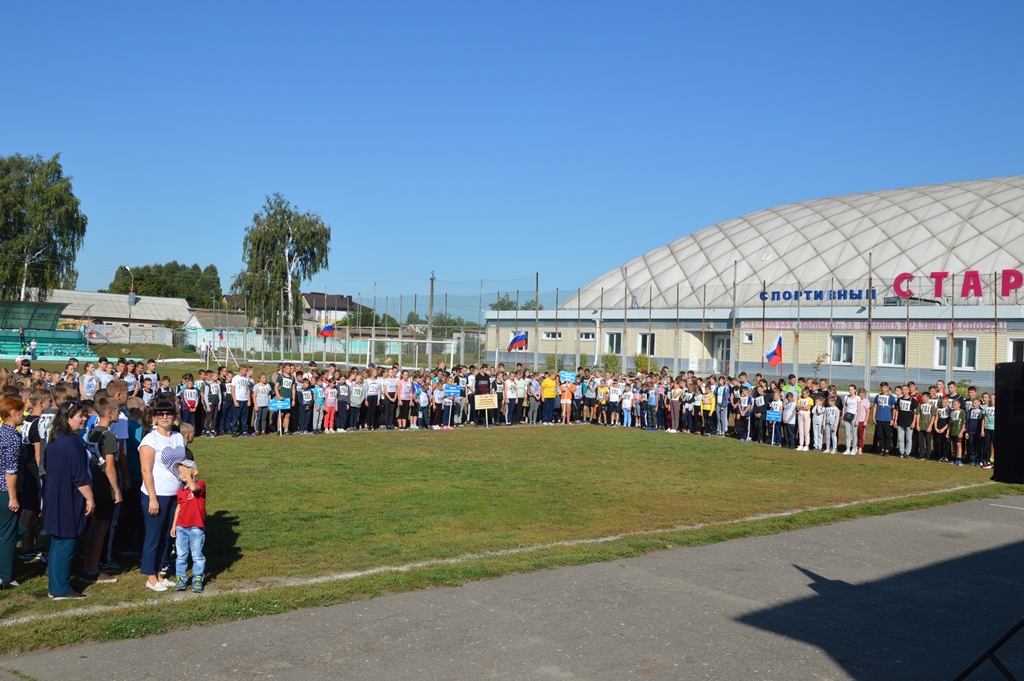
549, 395
707, 408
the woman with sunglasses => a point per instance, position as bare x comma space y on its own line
159, 452
67, 495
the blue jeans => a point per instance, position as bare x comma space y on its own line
190, 540
156, 548
548, 405
62, 550
240, 418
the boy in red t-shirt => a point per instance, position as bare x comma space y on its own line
189, 526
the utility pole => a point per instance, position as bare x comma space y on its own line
131, 303
430, 322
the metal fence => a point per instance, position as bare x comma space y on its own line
449, 320
348, 346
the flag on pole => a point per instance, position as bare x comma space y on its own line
326, 331
220, 335
518, 341
774, 354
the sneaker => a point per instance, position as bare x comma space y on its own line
986, 465
30, 556
181, 583
110, 567
98, 578
71, 595
959, 462
159, 586
197, 584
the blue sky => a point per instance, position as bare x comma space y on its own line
494, 140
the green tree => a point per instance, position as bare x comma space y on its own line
282, 248
199, 286
503, 303
41, 227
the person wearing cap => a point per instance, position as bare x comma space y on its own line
189, 527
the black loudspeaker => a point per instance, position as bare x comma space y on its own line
1009, 465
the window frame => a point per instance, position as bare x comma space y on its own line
551, 335
831, 340
748, 337
939, 340
650, 343
608, 335
936, 364
881, 350
588, 336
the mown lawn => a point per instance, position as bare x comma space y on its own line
284, 509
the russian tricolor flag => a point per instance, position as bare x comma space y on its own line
326, 331
220, 335
774, 354
518, 341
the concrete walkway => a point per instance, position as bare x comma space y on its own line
908, 596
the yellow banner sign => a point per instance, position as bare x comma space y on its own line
486, 401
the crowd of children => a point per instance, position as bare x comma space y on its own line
139, 501
801, 414
97, 501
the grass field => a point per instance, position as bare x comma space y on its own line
283, 510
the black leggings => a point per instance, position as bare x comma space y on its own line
371, 412
389, 412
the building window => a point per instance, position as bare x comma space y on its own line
645, 343
587, 335
1015, 350
892, 351
842, 350
551, 335
748, 336
613, 342
965, 353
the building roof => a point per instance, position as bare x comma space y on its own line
114, 306
315, 301
951, 227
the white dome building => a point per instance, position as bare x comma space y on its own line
831, 277
952, 228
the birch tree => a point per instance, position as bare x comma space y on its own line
282, 248
41, 227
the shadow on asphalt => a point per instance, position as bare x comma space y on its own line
928, 623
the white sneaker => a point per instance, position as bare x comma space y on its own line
159, 586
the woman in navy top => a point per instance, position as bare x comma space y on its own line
67, 495
12, 411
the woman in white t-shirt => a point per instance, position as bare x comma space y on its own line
159, 451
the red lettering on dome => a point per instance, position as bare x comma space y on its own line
938, 278
971, 287
1012, 280
898, 285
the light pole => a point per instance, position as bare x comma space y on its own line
131, 302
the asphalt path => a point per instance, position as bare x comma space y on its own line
913, 595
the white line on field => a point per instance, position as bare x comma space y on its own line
344, 576
1005, 506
